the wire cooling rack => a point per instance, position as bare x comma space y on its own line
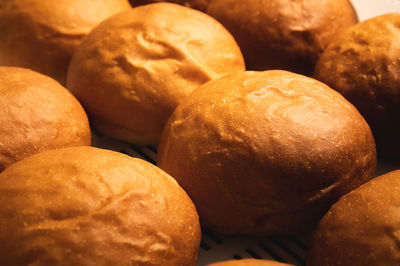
216, 247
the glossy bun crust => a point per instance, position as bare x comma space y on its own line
283, 34
87, 206
362, 228
196, 4
43, 34
249, 262
152, 57
363, 64
37, 114
266, 152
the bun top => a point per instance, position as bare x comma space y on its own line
266, 152
362, 228
87, 206
43, 34
37, 114
283, 34
249, 262
363, 65
152, 57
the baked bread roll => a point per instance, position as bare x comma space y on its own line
249, 262
266, 152
37, 114
363, 64
362, 228
87, 206
43, 34
134, 68
283, 34
196, 4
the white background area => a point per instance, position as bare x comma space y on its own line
370, 8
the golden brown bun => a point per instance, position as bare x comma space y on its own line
37, 114
363, 64
266, 152
249, 262
362, 228
87, 206
151, 58
196, 4
43, 34
283, 34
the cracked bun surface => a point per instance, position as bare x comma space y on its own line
249, 262
43, 34
266, 152
363, 64
37, 114
87, 206
362, 228
283, 34
133, 69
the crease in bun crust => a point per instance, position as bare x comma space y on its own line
266, 152
152, 57
363, 64
37, 114
87, 206
43, 34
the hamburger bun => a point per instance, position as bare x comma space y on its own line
249, 262
266, 152
87, 206
43, 34
37, 114
196, 4
283, 34
363, 65
362, 228
152, 57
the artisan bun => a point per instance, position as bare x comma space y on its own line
196, 4
249, 262
87, 206
37, 114
363, 64
43, 34
266, 152
152, 58
362, 228
283, 34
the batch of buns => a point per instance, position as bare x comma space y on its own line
271, 150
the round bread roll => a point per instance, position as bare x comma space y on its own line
43, 34
196, 4
249, 262
362, 228
152, 57
87, 206
37, 114
266, 152
363, 64
283, 34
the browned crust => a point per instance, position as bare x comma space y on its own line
362, 228
43, 34
266, 152
363, 64
87, 206
283, 34
152, 57
37, 114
